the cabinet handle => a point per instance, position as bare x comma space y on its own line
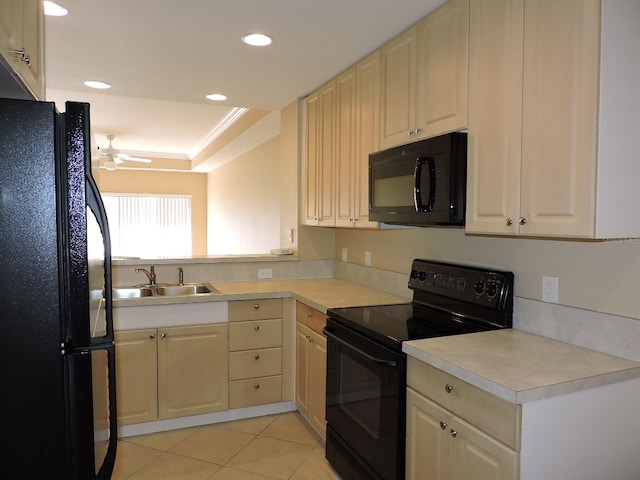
256, 386
309, 314
152, 336
22, 56
256, 328
443, 425
163, 335
257, 357
508, 222
522, 220
256, 306
454, 434
448, 388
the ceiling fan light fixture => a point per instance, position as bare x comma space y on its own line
110, 165
257, 39
52, 9
97, 84
217, 97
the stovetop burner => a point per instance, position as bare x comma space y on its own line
448, 300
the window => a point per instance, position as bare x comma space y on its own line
149, 225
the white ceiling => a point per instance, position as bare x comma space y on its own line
163, 57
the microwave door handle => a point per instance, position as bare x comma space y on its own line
417, 193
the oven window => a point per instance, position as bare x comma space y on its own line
360, 394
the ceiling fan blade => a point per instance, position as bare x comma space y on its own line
129, 158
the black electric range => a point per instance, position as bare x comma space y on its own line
366, 368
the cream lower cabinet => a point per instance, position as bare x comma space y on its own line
552, 101
255, 352
171, 372
311, 366
441, 444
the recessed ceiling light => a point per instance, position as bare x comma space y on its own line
217, 97
257, 40
97, 84
54, 10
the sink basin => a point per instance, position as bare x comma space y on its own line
132, 292
164, 290
186, 289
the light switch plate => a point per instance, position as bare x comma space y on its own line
265, 273
367, 259
550, 289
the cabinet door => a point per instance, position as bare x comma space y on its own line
477, 456
442, 69
428, 451
10, 26
321, 123
312, 213
193, 370
367, 134
398, 89
136, 376
560, 116
302, 368
32, 72
317, 379
346, 148
495, 112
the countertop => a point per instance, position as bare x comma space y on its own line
521, 367
319, 293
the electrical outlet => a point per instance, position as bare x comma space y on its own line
265, 273
367, 259
344, 254
550, 289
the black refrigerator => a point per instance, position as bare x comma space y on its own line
57, 363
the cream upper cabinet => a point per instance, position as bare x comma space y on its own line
424, 78
22, 41
551, 102
320, 156
358, 91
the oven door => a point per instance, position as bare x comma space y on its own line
365, 401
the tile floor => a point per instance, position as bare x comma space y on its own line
263, 448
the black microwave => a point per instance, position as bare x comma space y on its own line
422, 183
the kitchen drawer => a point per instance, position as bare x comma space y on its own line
500, 419
255, 363
255, 334
241, 310
312, 318
255, 391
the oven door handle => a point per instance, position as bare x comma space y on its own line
378, 361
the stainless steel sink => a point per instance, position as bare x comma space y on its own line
164, 290
185, 289
132, 292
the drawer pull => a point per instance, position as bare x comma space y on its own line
443, 425
454, 434
163, 335
152, 337
256, 328
309, 314
448, 388
257, 357
256, 386
256, 306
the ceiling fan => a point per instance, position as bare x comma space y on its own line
114, 157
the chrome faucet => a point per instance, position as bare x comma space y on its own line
180, 276
151, 275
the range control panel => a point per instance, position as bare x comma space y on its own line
488, 288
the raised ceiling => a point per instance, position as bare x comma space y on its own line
162, 58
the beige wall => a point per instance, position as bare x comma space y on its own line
599, 276
172, 183
244, 203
